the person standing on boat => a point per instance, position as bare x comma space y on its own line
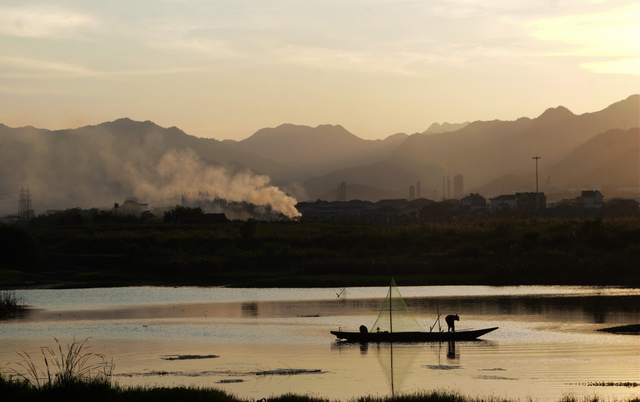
451, 319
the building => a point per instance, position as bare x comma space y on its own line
528, 202
458, 185
131, 206
503, 202
473, 202
590, 199
341, 192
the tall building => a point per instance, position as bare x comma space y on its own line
458, 185
342, 191
412, 193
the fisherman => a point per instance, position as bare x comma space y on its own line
450, 319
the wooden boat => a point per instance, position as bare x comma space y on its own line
407, 328
417, 336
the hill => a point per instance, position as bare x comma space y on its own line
381, 180
96, 166
485, 150
444, 127
610, 160
99, 165
318, 150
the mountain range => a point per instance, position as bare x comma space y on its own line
98, 165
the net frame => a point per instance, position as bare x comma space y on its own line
394, 316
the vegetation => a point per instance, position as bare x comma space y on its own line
10, 303
65, 369
16, 390
283, 254
178, 212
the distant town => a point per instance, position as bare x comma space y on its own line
588, 203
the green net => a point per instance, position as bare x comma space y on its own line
395, 315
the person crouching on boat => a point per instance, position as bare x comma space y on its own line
451, 319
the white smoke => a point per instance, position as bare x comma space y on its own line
96, 166
183, 171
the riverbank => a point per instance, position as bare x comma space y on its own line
294, 254
97, 391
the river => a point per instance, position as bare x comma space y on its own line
256, 343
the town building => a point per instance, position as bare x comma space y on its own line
503, 202
473, 202
590, 199
528, 202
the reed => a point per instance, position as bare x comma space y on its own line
86, 390
10, 303
65, 367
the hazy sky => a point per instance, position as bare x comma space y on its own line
224, 69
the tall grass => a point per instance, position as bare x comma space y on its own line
65, 366
20, 391
10, 303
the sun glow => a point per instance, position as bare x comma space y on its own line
612, 34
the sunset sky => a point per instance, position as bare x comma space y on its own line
225, 69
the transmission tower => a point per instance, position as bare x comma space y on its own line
24, 205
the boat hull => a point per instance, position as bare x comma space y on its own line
470, 335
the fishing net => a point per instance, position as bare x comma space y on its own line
395, 315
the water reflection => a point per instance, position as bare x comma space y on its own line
619, 310
250, 309
402, 361
544, 341
451, 352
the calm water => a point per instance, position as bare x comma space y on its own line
546, 346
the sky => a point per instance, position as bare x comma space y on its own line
225, 69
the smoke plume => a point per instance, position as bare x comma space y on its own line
182, 172
97, 166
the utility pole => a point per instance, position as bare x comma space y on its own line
536, 158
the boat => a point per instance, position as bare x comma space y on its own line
406, 328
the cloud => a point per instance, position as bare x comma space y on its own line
35, 64
43, 21
610, 33
623, 66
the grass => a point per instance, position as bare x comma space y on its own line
12, 390
64, 367
10, 303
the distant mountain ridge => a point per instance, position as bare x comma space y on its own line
318, 150
485, 150
101, 164
445, 127
609, 160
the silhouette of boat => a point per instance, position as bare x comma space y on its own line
407, 328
